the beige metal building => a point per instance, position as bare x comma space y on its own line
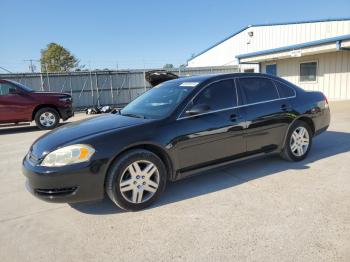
313, 54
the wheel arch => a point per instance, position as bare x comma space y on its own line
305, 119
156, 149
41, 106
309, 121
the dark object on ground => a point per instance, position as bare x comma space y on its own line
115, 110
156, 77
106, 109
92, 111
98, 110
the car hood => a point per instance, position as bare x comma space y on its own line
68, 133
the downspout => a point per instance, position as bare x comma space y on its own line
340, 48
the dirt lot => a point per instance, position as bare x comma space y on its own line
265, 210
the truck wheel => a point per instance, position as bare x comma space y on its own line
47, 118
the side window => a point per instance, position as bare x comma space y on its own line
4, 89
219, 95
258, 89
284, 90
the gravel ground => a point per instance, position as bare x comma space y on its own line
265, 210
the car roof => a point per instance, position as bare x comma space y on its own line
202, 78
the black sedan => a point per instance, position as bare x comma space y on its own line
176, 129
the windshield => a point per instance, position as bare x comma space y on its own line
160, 101
25, 88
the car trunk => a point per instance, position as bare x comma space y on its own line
155, 77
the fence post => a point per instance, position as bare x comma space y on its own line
144, 79
129, 87
70, 84
42, 81
92, 89
111, 82
97, 91
48, 78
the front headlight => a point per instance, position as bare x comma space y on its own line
66, 99
68, 155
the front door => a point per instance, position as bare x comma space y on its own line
214, 136
14, 107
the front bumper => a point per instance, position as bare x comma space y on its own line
66, 113
75, 183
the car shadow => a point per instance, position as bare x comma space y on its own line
325, 145
21, 128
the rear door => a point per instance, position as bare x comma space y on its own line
268, 115
214, 136
14, 107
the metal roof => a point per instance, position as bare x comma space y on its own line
297, 46
267, 24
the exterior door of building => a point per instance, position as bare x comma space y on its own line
271, 69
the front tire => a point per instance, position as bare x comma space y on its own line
47, 118
136, 179
298, 142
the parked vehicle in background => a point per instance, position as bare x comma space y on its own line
175, 129
19, 103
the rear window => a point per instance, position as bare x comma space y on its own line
5, 88
284, 90
258, 89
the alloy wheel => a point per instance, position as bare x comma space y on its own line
299, 142
139, 181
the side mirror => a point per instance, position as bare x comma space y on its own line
198, 109
13, 91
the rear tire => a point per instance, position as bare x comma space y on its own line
47, 118
136, 179
298, 142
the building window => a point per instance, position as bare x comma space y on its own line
250, 70
308, 71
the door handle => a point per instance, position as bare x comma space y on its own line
234, 117
284, 107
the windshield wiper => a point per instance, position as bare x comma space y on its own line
133, 115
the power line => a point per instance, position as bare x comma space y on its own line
5, 70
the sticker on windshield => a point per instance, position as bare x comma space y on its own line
190, 84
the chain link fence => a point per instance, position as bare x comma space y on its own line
96, 88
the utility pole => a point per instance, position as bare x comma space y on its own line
31, 65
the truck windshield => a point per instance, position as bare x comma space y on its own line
160, 101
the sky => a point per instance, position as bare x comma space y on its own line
138, 34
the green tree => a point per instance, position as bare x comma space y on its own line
168, 66
55, 58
